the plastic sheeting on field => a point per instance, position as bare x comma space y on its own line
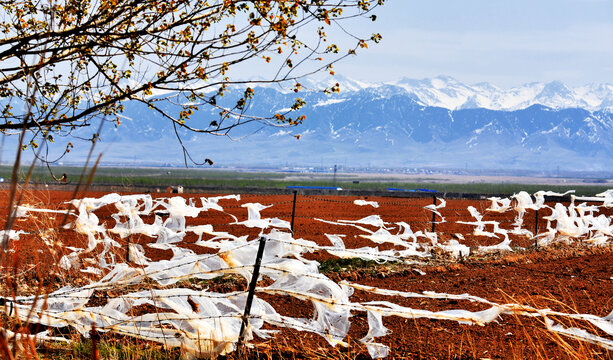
122, 299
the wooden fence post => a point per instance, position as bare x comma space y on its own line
294, 210
433, 213
536, 227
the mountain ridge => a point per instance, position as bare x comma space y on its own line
447, 92
386, 125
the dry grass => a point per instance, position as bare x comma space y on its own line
543, 343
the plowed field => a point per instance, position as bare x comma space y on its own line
569, 278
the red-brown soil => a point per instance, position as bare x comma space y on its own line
568, 278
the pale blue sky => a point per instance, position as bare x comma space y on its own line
507, 43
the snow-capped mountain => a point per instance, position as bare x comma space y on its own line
429, 122
449, 93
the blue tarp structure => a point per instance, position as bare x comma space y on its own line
314, 187
412, 190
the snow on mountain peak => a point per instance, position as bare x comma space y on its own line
447, 92
450, 93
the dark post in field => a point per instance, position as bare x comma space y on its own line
433, 213
536, 227
294, 211
254, 280
95, 336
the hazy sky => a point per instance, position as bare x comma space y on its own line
506, 43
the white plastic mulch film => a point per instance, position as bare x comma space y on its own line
146, 299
